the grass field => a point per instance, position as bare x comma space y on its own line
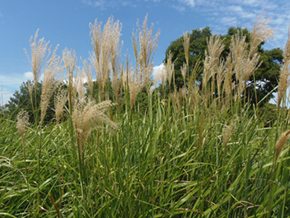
193, 154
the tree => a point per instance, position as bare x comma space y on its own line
263, 80
21, 101
198, 44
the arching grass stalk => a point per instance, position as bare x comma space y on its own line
39, 53
69, 59
39, 132
86, 117
278, 148
49, 85
22, 124
282, 88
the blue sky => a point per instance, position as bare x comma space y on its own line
66, 22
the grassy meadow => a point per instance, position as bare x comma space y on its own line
200, 151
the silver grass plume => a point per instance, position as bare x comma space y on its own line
50, 83
284, 81
79, 85
22, 124
88, 70
281, 142
69, 59
186, 43
169, 68
260, 33
60, 100
88, 117
183, 70
106, 44
148, 46
39, 52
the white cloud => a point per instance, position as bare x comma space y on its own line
179, 8
11, 80
158, 69
250, 2
104, 4
229, 21
232, 8
278, 21
190, 3
28, 75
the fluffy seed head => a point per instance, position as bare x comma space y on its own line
163, 77
30, 89
281, 142
183, 71
215, 48
79, 85
88, 70
69, 59
169, 68
260, 33
286, 53
22, 122
135, 85
148, 46
88, 116
116, 81
183, 92
50, 83
285, 72
107, 47
186, 42
39, 50
227, 133
59, 102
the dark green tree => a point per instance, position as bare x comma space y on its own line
198, 44
21, 101
264, 79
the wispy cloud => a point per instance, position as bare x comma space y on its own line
99, 3
104, 4
190, 3
178, 7
12, 80
229, 21
222, 15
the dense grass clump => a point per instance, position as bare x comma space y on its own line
200, 151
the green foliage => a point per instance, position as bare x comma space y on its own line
187, 154
3, 111
266, 76
175, 166
21, 101
198, 44
268, 114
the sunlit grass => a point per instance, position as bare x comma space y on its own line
192, 154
